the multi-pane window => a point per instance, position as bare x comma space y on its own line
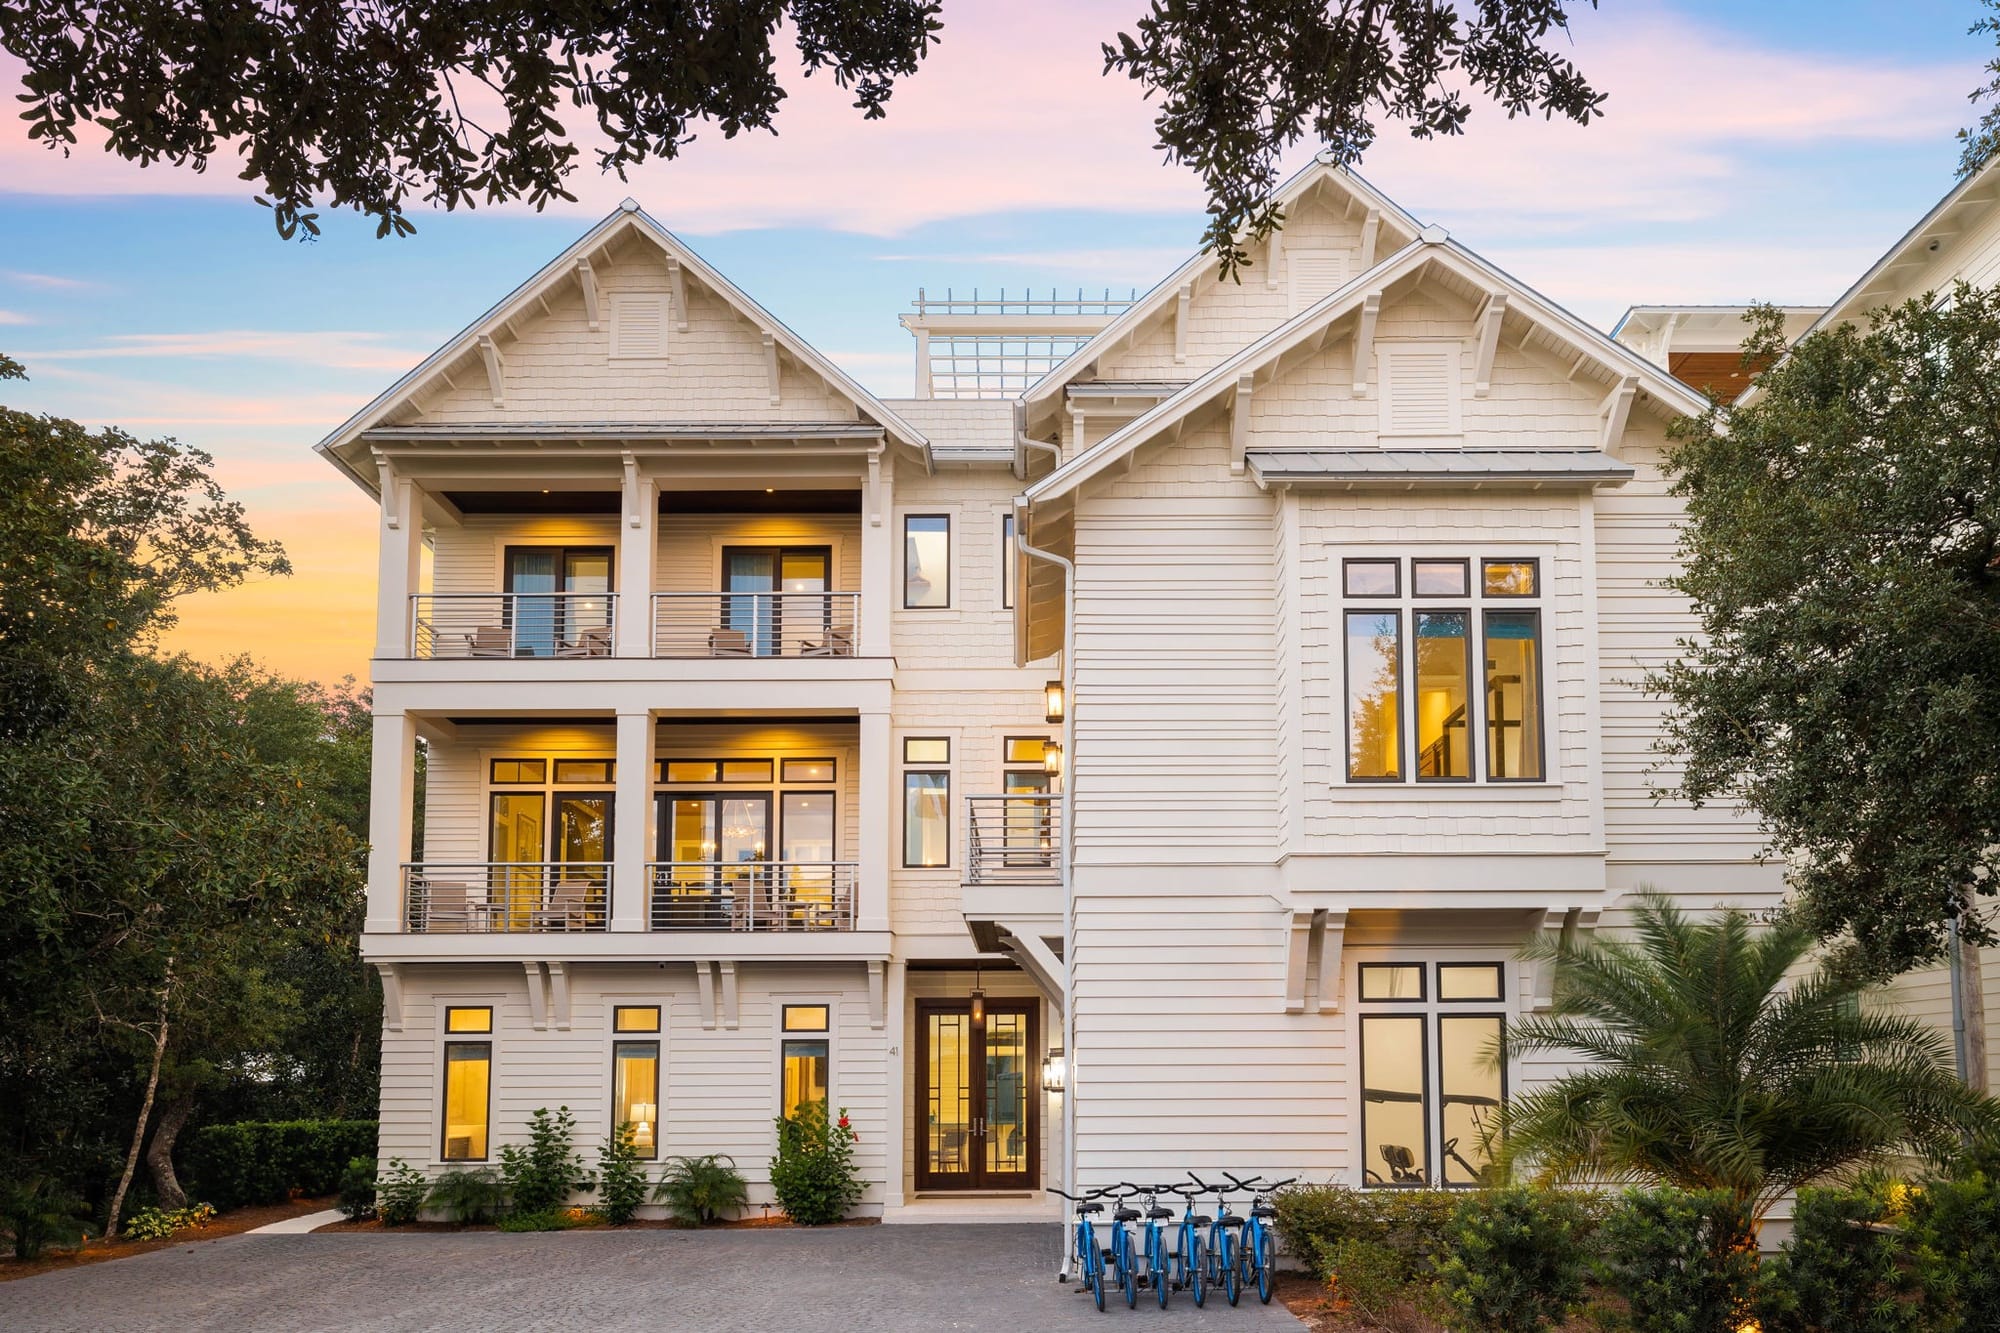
927, 560
1432, 1075
635, 1074
926, 801
468, 1078
805, 1056
1443, 662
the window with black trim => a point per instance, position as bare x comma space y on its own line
927, 561
1432, 1077
926, 801
1008, 568
1443, 669
805, 1056
468, 1080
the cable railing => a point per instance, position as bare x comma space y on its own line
496, 897
755, 624
750, 895
1013, 839
510, 625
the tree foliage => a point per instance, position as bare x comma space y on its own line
1719, 1058
388, 104
1842, 550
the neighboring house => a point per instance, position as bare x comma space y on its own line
1153, 763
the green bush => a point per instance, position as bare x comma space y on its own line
400, 1193
1517, 1260
468, 1196
1957, 1223
621, 1177
1413, 1225
1375, 1283
258, 1161
1683, 1261
697, 1190
1851, 1266
813, 1173
542, 1175
162, 1224
38, 1212
357, 1188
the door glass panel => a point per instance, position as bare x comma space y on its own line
587, 573
532, 576
1444, 670
517, 840
948, 1094
1006, 1093
583, 826
1469, 1088
803, 571
1392, 1101
1029, 825
807, 829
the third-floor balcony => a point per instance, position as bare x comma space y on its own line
583, 625
506, 625
755, 624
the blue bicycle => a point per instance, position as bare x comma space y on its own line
1159, 1263
1089, 1257
1189, 1274
1260, 1242
1121, 1244
1220, 1255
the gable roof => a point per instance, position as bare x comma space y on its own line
1432, 248
1315, 175
630, 219
1963, 206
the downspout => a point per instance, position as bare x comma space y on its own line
1066, 841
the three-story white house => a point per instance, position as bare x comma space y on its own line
1145, 749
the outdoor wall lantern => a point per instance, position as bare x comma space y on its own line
978, 999
1052, 758
1052, 698
1052, 1071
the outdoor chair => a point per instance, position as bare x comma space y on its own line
568, 907
724, 642
838, 643
593, 642
448, 909
489, 641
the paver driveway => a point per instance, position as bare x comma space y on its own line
878, 1279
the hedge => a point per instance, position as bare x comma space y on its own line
255, 1162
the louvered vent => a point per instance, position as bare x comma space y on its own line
638, 326
1420, 389
1314, 274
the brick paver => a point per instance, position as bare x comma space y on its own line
877, 1279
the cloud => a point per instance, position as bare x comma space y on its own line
14, 317
122, 400
327, 348
48, 281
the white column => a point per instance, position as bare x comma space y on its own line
878, 817
632, 831
392, 786
897, 1096
637, 548
879, 594
402, 533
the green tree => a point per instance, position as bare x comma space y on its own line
1719, 1056
1842, 550
362, 106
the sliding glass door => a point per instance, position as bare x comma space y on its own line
560, 593
768, 622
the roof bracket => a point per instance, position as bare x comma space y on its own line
1333, 935
1273, 252
587, 278
1239, 422
1489, 343
1364, 341
1371, 227
1615, 409
1181, 300
679, 284
496, 369
771, 366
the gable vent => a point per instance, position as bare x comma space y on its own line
638, 326
1420, 389
1314, 274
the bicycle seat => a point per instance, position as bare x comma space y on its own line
1203, 1221
1229, 1220
1158, 1214
1264, 1210
1090, 1208
1126, 1215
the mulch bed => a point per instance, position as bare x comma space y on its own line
773, 1223
98, 1251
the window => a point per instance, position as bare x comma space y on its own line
595, 771
714, 770
1008, 568
468, 1071
1454, 732
804, 1059
559, 602
927, 560
927, 750
519, 770
926, 802
635, 1092
636, 1018
808, 770
1431, 1080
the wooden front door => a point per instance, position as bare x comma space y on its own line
979, 1096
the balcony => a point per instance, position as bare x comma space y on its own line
762, 896
755, 624
506, 625
1013, 840
488, 897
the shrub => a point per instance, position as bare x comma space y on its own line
253, 1162
400, 1193
697, 1190
467, 1196
38, 1213
1376, 1284
160, 1224
357, 1188
542, 1175
1413, 1225
621, 1177
1957, 1223
1684, 1262
1849, 1266
1517, 1260
813, 1173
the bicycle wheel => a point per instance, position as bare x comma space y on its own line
1128, 1271
1197, 1277
1265, 1264
1231, 1279
1156, 1266
1093, 1274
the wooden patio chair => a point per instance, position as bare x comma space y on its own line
838, 643
593, 642
568, 907
449, 909
489, 641
726, 642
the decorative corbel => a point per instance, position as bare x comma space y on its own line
1273, 252
1239, 422
385, 476
1616, 408
878, 1006
629, 499
392, 995
1332, 943
1489, 342
1371, 227
1364, 340
679, 286
559, 995
538, 997
1182, 298
704, 986
1298, 961
729, 1011
587, 278
874, 497
1558, 927
496, 369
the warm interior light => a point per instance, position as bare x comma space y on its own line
1052, 758
1052, 1071
643, 1115
978, 999
770, 490
1052, 699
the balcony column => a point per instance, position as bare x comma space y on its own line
632, 822
402, 543
878, 556
392, 788
878, 816
638, 544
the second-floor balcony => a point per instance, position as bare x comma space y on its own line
508, 625
1013, 839
755, 624
445, 898
751, 896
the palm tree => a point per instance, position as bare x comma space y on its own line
1718, 1060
